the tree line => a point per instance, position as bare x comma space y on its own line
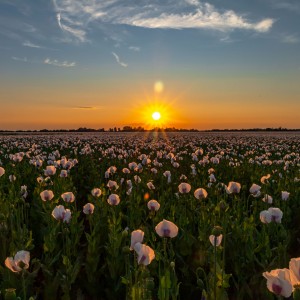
155, 129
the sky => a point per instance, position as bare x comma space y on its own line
94, 63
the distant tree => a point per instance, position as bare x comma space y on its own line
127, 128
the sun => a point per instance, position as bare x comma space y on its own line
156, 116
153, 113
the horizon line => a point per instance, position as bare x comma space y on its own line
141, 129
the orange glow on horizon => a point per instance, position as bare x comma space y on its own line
178, 105
156, 109
155, 114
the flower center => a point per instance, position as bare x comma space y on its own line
276, 289
21, 264
274, 218
167, 232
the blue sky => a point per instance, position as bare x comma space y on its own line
103, 54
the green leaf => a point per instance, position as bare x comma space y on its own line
124, 280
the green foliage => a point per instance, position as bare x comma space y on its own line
89, 256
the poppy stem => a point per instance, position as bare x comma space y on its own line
224, 245
165, 266
23, 285
215, 268
135, 275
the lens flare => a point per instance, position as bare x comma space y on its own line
158, 87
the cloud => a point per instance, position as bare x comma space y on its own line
22, 7
78, 33
16, 29
75, 17
31, 45
23, 59
56, 63
226, 39
290, 39
133, 48
293, 6
86, 107
193, 2
28, 28
205, 16
119, 61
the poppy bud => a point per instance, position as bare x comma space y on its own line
217, 230
10, 294
126, 250
150, 283
200, 283
296, 293
124, 233
223, 205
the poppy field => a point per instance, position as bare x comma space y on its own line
150, 216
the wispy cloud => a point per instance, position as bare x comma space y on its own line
293, 5
21, 6
193, 2
28, 28
86, 107
56, 63
78, 33
226, 39
23, 59
119, 61
16, 29
74, 17
133, 48
31, 45
205, 16
291, 39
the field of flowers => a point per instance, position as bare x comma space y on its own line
150, 216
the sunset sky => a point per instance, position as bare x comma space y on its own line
204, 65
